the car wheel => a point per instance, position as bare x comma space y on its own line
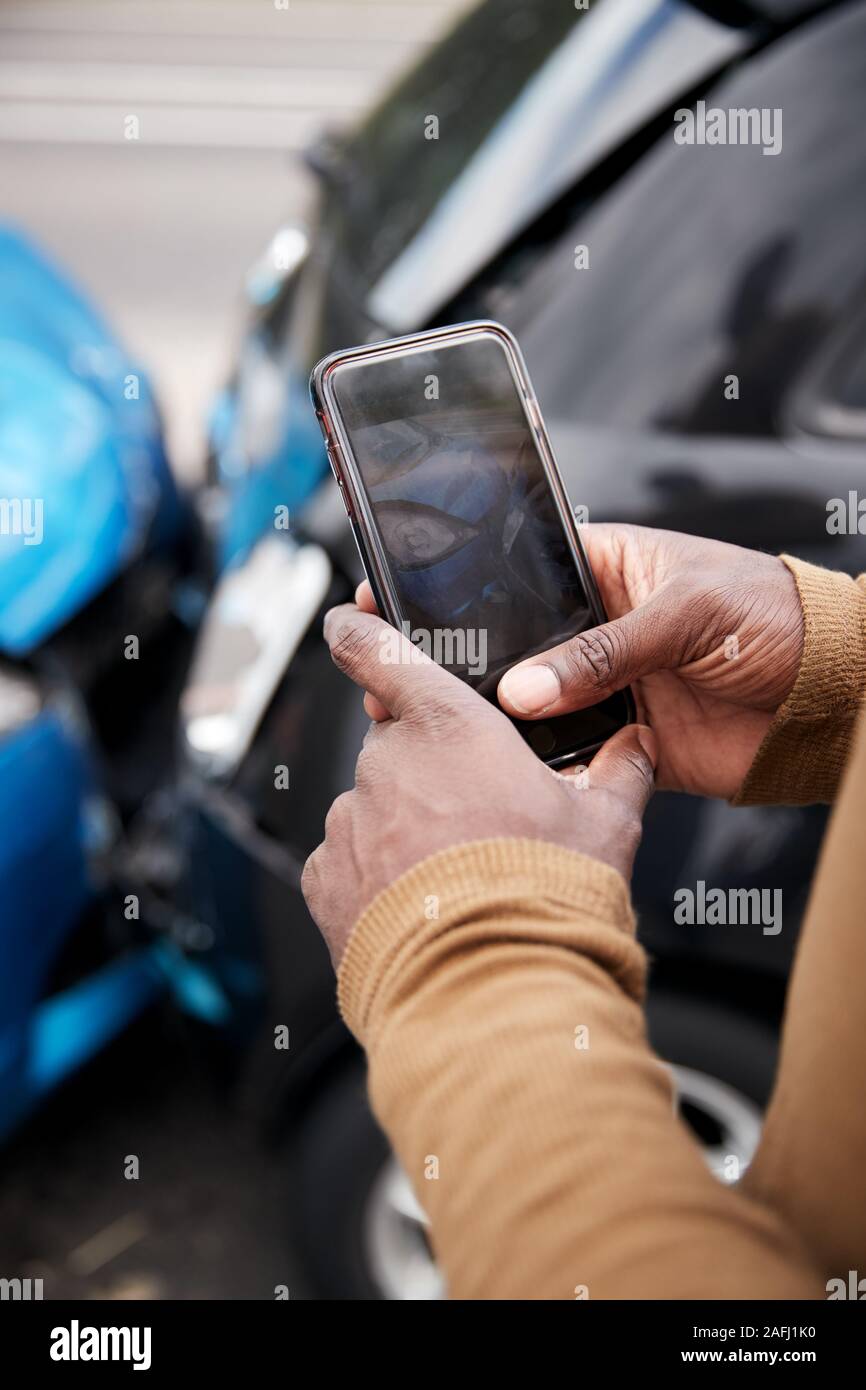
723, 1063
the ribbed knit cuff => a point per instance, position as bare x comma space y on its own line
805, 749
486, 892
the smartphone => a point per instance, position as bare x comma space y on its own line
459, 512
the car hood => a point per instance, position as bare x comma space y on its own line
83, 476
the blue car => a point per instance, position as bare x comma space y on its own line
94, 545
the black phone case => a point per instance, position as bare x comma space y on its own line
386, 609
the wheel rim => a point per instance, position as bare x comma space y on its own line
396, 1241
726, 1123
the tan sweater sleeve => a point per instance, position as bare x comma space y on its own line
497, 990
809, 741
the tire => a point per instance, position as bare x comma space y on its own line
723, 1063
713, 1036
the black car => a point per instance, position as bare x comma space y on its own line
693, 317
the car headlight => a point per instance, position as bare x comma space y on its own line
282, 257
20, 701
258, 616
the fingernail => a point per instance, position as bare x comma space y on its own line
647, 740
531, 689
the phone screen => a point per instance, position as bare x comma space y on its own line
478, 557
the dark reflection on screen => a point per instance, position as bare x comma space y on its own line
472, 537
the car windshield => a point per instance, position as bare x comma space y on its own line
501, 118
466, 82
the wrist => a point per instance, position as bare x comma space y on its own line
481, 894
801, 757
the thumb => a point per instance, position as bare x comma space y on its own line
595, 663
626, 766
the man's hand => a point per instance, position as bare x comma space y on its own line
709, 636
447, 768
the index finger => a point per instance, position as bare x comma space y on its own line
364, 597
